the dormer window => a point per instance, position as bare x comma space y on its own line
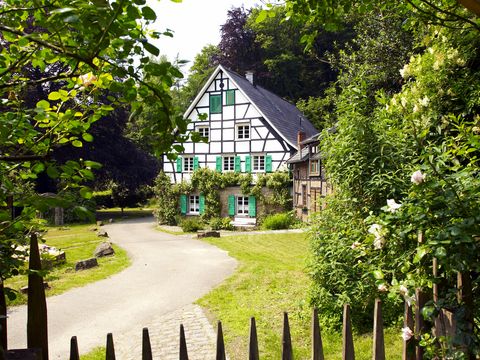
204, 131
314, 167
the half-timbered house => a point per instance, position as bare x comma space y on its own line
309, 181
248, 128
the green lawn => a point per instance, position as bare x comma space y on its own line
128, 213
269, 280
78, 242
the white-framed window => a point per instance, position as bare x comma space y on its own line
242, 205
228, 163
243, 131
204, 131
258, 162
194, 204
188, 164
314, 166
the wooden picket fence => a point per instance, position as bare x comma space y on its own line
348, 351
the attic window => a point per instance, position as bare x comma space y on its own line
215, 103
230, 97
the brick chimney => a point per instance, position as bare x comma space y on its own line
300, 138
250, 77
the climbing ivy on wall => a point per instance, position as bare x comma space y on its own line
209, 183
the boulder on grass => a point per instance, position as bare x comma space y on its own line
103, 249
102, 234
205, 234
86, 264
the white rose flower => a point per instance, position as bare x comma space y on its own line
382, 288
403, 290
376, 230
379, 242
393, 205
424, 101
407, 333
356, 245
418, 177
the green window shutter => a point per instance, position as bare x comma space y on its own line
268, 163
231, 205
215, 104
252, 206
230, 97
183, 204
179, 164
201, 204
237, 162
195, 163
218, 164
248, 163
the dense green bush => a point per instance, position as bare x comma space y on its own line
103, 199
221, 224
278, 221
191, 225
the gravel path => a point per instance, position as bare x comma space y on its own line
168, 273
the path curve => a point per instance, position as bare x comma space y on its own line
167, 273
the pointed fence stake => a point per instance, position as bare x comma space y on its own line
220, 343
3, 318
74, 349
287, 353
408, 345
317, 345
378, 339
253, 343
110, 353
183, 344
37, 328
348, 352
146, 347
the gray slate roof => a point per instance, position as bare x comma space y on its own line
297, 157
285, 117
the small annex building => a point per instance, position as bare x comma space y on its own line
310, 184
248, 130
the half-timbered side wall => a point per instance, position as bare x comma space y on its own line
237, 137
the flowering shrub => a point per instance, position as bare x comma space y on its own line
408, 170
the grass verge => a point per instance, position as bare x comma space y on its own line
79, 243
97, 353
128, 213
269, 280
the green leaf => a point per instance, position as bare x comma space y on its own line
52, 172
421, 252
148, 13
92, 164
86, 192
378, 274
54, 95
43, 104
261, 16
87, 137
151, 48
38, 168
77, 143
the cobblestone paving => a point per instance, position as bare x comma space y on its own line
165, 336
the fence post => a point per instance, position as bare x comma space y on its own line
146, 346
220, 343
408, 345
110, 353
3, 318
37, 329
465, 297
253, 343
183, 344
74, 349
317, 346
348, 352
287, 353
378, 339
419, 321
